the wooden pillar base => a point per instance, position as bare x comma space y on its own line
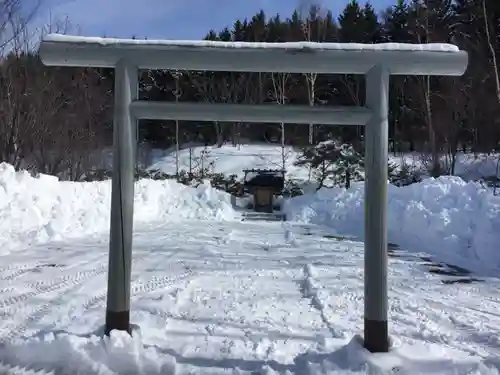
119, 320
376, 338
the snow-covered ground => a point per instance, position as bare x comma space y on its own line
214, 295
238, 298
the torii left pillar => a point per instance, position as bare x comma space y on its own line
122, 199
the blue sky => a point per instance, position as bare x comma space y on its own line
167, 19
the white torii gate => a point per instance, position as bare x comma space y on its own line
376, 61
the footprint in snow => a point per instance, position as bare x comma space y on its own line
290, 238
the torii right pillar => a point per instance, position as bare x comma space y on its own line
376, 336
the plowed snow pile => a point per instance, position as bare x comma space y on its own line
44, 208
456, 221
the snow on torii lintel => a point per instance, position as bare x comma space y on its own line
430, 47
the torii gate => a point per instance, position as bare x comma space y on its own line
376, 61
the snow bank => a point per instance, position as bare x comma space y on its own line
456, 221
121, 354
44, 208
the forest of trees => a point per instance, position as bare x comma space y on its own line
51, 118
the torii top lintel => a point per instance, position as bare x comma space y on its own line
293, 57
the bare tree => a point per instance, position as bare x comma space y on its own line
422, 30
14, 18
313, 30
15, 112
48, 115
233, 88
177, 93
208, 85
279, 95
491, 47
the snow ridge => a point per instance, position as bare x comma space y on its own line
309, 289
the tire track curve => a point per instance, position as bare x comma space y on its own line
140, 287
17, 270
69, 282
54, 285
37, 313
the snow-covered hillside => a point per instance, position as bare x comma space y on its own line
232, 160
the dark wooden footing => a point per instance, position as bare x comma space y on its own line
119, 320
376, 336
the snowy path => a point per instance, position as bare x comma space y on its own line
236, 298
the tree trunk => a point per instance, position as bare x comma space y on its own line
492, 50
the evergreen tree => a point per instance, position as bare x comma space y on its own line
396, 23
225, 35
333, 163
238, 32
371, 26
351, 23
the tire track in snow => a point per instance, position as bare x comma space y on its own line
17, 266
309, 290
53, 285
20, 370
18, 270
12, 271
137, 287
70, 280
39, 312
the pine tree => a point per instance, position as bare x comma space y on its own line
396, 23
225, 35
238, 32
371, 26
333, 163
349, 166
396, 30
351, 23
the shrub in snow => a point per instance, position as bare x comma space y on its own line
403, 175
292, 189
229, 184
218, 181
139, 173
